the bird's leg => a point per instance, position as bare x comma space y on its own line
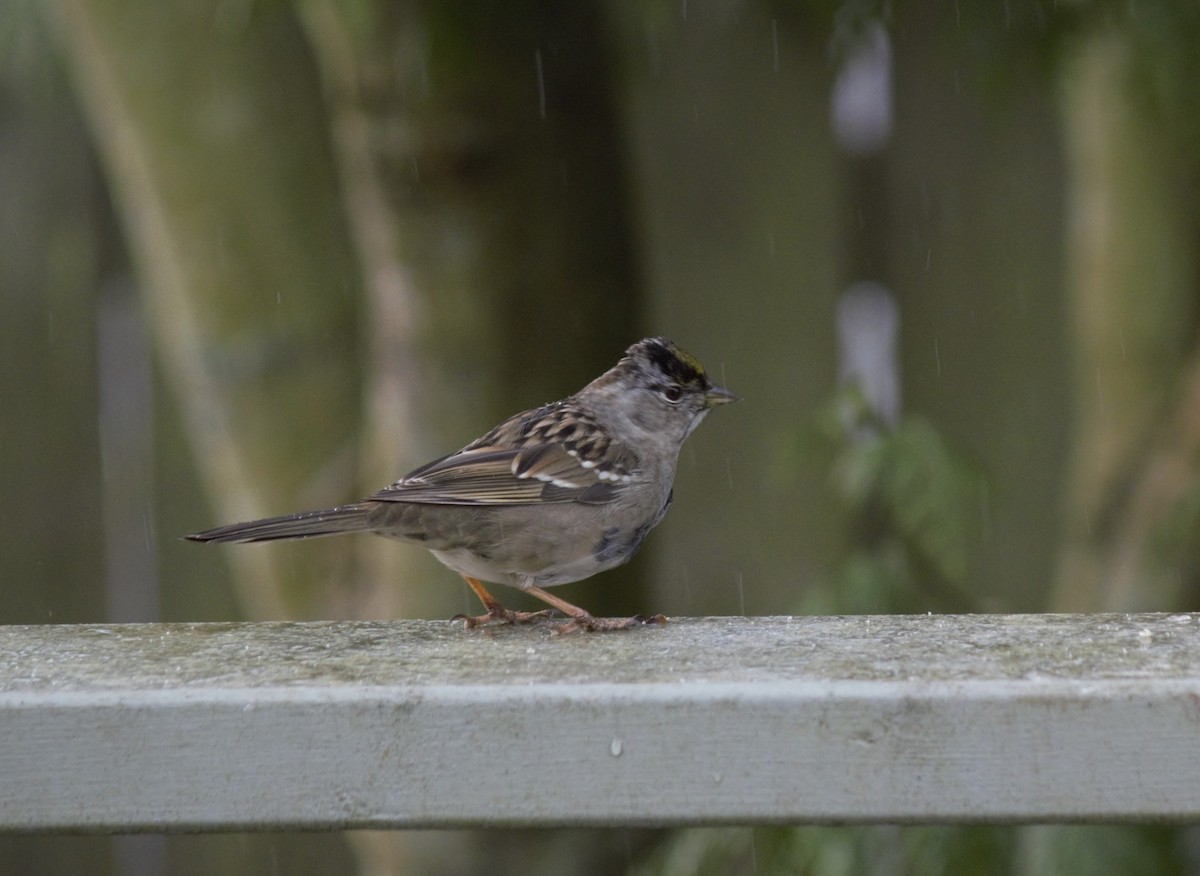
583, 620
496, 613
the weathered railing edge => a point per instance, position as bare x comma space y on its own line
391, 726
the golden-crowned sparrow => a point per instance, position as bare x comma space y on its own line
551, 495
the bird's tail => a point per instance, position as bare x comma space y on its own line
306, 524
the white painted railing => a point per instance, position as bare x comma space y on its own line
724, 720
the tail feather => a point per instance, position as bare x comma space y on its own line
306, 524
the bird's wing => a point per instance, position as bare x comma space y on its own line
552, 454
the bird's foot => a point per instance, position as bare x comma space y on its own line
498, 614
592, 624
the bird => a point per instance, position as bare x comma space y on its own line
552, 495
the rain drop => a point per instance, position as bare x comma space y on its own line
541, 83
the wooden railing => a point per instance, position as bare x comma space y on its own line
172, 727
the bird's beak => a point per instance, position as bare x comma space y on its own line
718, 395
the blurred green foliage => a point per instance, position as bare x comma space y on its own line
909, 509
900, 850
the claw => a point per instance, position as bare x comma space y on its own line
606, 624
498, 614
579, 619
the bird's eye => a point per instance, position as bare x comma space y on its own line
672, 393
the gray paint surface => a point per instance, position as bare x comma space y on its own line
705, 721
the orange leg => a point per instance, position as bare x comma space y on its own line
583, 620
579, 618
496, 613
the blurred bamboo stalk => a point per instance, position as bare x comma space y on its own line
206, 189
1131, 290
170, 308
1167, 475
390, 406
392, 421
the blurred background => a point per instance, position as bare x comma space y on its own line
257, 257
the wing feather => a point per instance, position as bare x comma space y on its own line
555, 453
